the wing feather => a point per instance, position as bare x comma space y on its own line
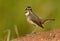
36, 20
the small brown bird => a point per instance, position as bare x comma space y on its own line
33, 19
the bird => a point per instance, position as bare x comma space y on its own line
33, 19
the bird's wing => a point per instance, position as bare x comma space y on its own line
37, 21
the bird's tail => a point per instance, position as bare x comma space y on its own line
47, 20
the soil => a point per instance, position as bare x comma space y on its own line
53, 35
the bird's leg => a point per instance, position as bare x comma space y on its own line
34, 31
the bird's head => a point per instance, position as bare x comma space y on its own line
28, 8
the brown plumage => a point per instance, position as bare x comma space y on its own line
33, 19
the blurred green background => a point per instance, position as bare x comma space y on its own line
12, 18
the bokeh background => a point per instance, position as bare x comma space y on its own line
13, 23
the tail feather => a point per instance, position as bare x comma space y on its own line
43, 21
